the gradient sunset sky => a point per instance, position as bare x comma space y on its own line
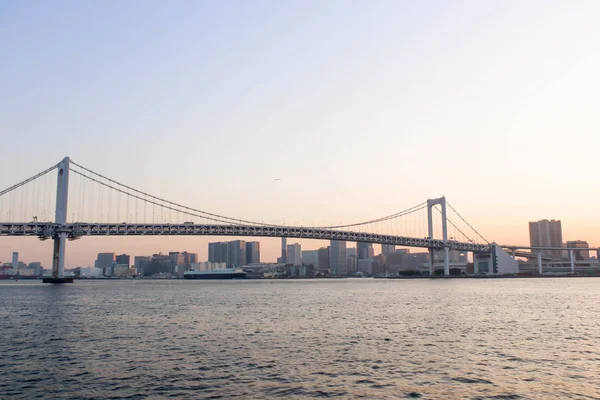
362, 108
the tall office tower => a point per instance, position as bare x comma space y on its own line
337, 257
15, 260
387, 249
580, 244
105, 260
323, 258
123, 259
544, 233
217, 252
283, 250
236, 253
294, 254
350, 251
310, 257
351, 265
138, 262
252, 252
364, 251
189, 259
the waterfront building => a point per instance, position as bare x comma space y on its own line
497, 262
350, 251
252, 252
294, 254
137, 262
15, 260
217, 252
310, 257
337, 257
365, 266
397, 261
580, 244
236, 252
351, 265
546, 233
323, 258
417, 260
232, 253
364, 251
189, 258
159, 265
123, 259
105, 261
387, 249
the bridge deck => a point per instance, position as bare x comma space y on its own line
77, 230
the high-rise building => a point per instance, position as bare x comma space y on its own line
580, 244
351, 265
236, 253
337, 257
217, 252
283, 250
189, 259
252, 252
138, 262
160, 264
323, 258
364, 251
417, 260
545, 233
294, 254
105, 261
310, 257
232, 253
123, 259
15, 260
179, 262
387, 248
350, 251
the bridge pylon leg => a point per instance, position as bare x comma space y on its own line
431, 263
446, 261
572, 258
60, 240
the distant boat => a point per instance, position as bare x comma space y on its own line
226, 273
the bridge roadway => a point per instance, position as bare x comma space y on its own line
76, 230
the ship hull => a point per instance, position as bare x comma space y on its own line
237, 275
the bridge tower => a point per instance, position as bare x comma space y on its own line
430, 204
60, 217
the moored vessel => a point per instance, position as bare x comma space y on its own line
226, 273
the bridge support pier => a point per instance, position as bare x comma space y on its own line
446, 261
431, 264
60, 238
572, 258
539, 260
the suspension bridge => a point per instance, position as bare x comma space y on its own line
69, 201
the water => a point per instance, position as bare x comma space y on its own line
357, 338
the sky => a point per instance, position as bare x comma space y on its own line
361, 108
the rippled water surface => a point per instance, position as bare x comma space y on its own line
356, 338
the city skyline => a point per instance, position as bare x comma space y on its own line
85, 255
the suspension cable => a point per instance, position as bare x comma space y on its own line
233, 221
26, 181
151, 201
452, 223
469, 225
392, 216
